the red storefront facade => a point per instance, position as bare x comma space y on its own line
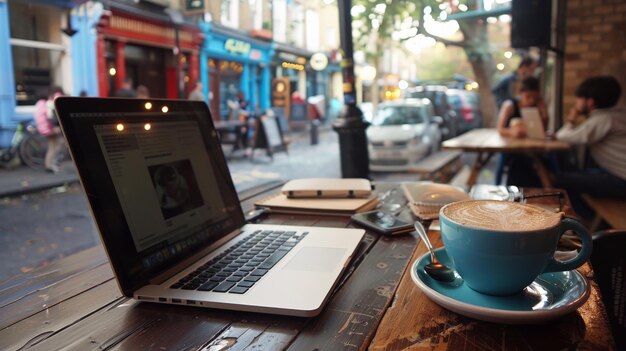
143, 49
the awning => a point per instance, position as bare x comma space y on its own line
60, 3
476, 14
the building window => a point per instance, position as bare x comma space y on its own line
279, 8
37, 50
256, 6
297, 26
312, 31
229, 13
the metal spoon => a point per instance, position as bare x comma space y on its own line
435, 269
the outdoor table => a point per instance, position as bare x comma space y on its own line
486, 142
232, 128
75, 303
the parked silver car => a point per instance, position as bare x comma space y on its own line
402, 133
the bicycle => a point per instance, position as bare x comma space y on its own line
27, 147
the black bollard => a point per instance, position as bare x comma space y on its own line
350, 125
315, 126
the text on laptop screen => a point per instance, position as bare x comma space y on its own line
163, 178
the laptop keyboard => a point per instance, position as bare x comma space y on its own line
239, 267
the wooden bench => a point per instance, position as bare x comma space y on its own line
612, 211
440, 166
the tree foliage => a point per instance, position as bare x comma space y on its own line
381, 24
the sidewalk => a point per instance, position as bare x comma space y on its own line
25, 180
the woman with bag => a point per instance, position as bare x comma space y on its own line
48, 126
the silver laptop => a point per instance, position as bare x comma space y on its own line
533, 123
170, 219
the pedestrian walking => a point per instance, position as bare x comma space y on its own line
143, 92
127, 89
48, 126
196, 93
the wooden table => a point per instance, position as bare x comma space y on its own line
487, 142
74, 304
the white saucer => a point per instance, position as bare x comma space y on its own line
550, 296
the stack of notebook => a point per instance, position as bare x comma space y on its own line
333, 197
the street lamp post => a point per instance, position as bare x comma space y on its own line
177, 20
350, 125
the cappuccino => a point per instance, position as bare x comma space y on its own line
501, 216
483, 239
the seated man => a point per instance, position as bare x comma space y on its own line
596, 123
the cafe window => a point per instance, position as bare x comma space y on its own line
227, 76
37, 50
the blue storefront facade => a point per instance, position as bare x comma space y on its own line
7, 83
21, 80
229, 62
232, 62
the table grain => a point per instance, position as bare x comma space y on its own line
75, 304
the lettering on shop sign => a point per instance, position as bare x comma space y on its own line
194, 6
285, 56
237, 46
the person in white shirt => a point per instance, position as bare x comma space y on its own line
600, 126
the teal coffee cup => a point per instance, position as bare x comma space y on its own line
500, 247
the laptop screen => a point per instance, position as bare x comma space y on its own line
157, 181
155, 169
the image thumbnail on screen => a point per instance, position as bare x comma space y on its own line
176, 187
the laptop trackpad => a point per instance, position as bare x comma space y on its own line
316, 259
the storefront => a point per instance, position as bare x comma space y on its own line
310, 74
140, 45
231, 63
34, 47
292, 63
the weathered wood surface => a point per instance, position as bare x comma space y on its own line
414, 322
489, 140
28, 294
375, 300
610, 210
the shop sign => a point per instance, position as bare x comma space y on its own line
255, 54
280, 93
319, 61
162, 3
285, 56
237, 46
194, 6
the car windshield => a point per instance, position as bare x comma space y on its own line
454, 100
398, 115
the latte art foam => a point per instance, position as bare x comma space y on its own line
501, 215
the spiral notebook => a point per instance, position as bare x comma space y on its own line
326, 206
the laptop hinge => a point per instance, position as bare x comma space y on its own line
159, 279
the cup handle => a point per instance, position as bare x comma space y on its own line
585, 252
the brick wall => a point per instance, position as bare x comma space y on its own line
595, 44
